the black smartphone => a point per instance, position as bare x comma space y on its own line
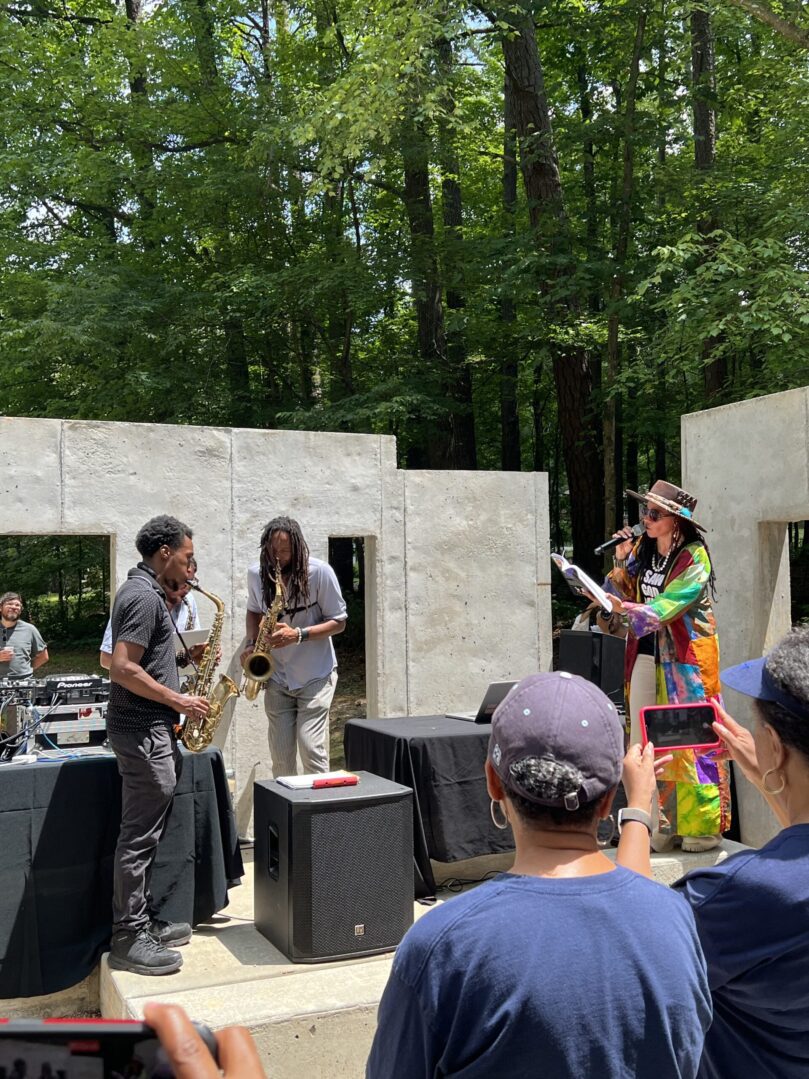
85, 1049
679, 726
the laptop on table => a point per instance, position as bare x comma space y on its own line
496, 692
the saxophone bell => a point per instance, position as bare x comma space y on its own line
198, 733
258, 666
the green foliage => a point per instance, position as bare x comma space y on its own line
205, 218
64, 582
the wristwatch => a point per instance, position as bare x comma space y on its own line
639, 815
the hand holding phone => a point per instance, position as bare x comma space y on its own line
680, 726
187, 1052
167, 1046
738, 744
638, 776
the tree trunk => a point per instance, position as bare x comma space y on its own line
662, 143
588, 177
80, 581
238, 373
703, 86
427, 298
631, 460
539, 405
571, 364
139, 101
510, 452
458, 376
612, 498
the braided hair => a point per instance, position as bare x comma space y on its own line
298, 588
686, 532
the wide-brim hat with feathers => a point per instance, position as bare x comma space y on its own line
670, 498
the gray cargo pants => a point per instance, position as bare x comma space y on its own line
149, 763
299, 723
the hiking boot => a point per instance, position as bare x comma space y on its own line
138, 952
170, 934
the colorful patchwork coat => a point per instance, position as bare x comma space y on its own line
694, 790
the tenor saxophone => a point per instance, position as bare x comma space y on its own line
198, 734
259, 664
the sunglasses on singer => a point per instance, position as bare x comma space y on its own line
653, 514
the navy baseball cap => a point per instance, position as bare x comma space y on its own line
561, 717
754, 680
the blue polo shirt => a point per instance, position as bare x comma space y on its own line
752, 913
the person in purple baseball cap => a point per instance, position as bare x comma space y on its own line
752, 909
562, 966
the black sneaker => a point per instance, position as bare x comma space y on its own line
140, 953
170, 934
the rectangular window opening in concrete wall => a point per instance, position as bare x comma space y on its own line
64, 581
347, 557
798, 538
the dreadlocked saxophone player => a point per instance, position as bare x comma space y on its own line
299, 692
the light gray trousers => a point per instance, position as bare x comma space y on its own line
298, 722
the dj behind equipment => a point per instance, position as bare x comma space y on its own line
42, 715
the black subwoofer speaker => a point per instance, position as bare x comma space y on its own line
598, 657
334, 868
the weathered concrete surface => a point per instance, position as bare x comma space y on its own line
430, 538
748, 464
478, 585
82, 999
30, 476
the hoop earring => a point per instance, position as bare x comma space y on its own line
502, 825
769, 772
608, 840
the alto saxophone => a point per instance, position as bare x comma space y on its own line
259, 664
198, 734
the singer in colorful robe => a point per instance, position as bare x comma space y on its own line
664, 581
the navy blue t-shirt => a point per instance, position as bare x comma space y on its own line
547, 977
752, 914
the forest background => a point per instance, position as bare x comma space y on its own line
517, 236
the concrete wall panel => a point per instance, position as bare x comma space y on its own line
457, 568
30, 476
472, 584
114, 484
748, 464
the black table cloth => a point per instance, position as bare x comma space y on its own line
442, 760
59, 824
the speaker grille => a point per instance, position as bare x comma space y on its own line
353, 894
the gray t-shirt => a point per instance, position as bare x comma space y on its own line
298, 664
27, 642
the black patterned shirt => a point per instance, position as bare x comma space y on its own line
140, 616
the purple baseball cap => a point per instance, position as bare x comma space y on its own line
559, 717
754, 680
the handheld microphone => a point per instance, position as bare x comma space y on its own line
616, 541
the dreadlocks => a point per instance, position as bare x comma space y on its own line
298, 588
686, 533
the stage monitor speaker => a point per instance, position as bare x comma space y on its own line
334, 868
598, 657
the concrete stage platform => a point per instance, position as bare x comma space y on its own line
316, 1020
